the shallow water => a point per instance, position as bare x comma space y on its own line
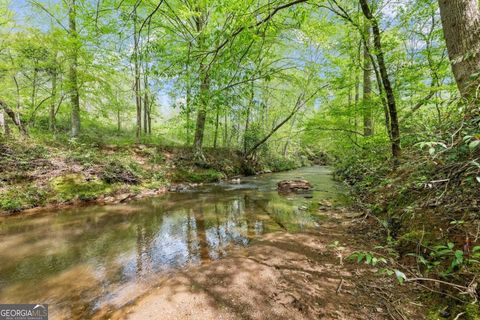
77, 260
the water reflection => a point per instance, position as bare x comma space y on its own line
75, 259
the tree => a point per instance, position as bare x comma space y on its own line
73, 75
387, 86
136, 66
461, 27
367, 88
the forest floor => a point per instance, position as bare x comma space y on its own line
284, 276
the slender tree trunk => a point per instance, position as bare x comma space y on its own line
367, 88
225, 130
188, 98
461, 27
6, 125
146, 104
136, 62
247, 119
73, 77
201, 114
146, 99
391, 103
357, 90
34, 90
149, 116
245, 131
187, 120
51, 119
216, 127
2, 124
204, 87
119, 121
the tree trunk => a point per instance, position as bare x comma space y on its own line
138, 98
391, 103
461, 27
14, 117
217, 119
367, 88
146, 100
6, 126
149, 116
187, 120
247, 121
188, 98
225, 130
73, 78
51, 118
201, 115
33, 101
145, 112
356, 92
119, 121
204, 87
2, 124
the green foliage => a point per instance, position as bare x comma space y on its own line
283, 164
446, 259
22, 197
369, 258
197, 175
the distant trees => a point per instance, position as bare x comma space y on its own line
232, 71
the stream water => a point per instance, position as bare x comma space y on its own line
79, 259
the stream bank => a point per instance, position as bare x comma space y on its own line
55, 175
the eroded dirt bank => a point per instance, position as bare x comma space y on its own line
282, 276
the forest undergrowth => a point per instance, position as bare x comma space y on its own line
426, 213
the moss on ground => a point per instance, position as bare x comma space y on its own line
75, 186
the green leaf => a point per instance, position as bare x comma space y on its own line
369, 259
401, 277
459, 255
360, 257
474, 144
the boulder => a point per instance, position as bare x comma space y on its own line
294, 185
